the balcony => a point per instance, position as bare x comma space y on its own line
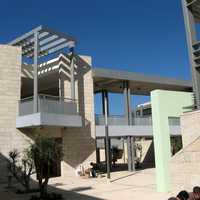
52, 111
141, 126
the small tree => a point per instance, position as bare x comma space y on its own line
45, 152
21, 167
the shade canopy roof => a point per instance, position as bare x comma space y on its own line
49, 41
140, 84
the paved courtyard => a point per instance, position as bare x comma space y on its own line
123, 185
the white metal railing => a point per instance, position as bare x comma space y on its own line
137, 121
48, 104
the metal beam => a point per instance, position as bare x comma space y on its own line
129, 153
35, 74
49, 42
72, 73
128, 114
59, 34
105, 96
59, 47
129, 104
55, 43
98, 158
133, 153
30, 33
191, 39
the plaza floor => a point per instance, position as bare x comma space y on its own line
122, 186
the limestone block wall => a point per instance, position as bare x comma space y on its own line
186, 163
79, 143
190, 127
10, 74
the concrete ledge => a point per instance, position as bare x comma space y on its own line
48, 119
120, 131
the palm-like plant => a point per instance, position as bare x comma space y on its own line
46, 152
21, 167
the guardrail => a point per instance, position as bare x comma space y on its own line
48, 104
120, 120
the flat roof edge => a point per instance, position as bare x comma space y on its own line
131, 76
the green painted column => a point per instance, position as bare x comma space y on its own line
165, 104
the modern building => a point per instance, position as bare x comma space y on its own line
47, 88
143, 109
186, 162
191, 14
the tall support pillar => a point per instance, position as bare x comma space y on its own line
128, 114
129, 153
107, 142
72, 79
130, 118
126, 103
35, 73
133, 153
98, 159
141, 111
191, 39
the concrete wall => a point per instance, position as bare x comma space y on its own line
10, 74
165, 104
79, 143
190, 127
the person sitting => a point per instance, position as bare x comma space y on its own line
195, 195
94, 168
183, 195
172, 198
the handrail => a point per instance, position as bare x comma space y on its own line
27, 98
123, 116
138, 120
48, 104
48, 96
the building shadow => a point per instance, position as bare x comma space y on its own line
149, 159
11, 193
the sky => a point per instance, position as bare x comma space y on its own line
145, 36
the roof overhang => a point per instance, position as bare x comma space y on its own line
140, 84
49, 41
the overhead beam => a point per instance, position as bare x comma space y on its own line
60, 34
26, 35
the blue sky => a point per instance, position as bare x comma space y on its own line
140, 36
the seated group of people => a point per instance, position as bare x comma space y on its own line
184, 195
